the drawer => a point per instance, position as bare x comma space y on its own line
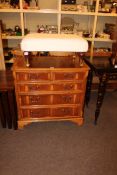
33, 87
35, 99
41, 87
62, 111
68, 86
62, 87
67, 98
69, 75
65, 111
64, 75
63, 99
49, 87
35, 113
32, 76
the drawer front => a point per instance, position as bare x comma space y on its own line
69, 75
67, 98
41, 87
32, 76
66, 111
35, 99
63, 99
68, 86
62, 111
35, 113
34, 87
38, 76
64, 87
64, 75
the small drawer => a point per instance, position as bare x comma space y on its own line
64, 87
35, 100
40, 87
34, 87
62, 111
32, 76
64, 76
63, 99
38, 76
69, 75
35, 113
68, 86
67, 98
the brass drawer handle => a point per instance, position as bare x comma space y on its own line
34, 87
67, 99
35, 113
34, 99
68, 87
33, 76
65, 111
67, 76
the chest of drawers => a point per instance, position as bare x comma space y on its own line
50, 89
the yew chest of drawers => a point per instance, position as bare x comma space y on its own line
50, 89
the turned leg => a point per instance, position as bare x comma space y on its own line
88, 87
101, 92
6, 109
2, 116
13, 107
26, 55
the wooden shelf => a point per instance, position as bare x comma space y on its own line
50, 13
10, 10
77, 13
12, 37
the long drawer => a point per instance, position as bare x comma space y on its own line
50, 75
51, 112
49, 99
60, 86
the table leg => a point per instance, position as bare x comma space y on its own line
101, 92
13, 107
88, 87
5, 106
2, 117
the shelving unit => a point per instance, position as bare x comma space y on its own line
50, 13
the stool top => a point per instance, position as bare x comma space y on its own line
54, 42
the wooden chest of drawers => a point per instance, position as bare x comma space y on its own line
50, 89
